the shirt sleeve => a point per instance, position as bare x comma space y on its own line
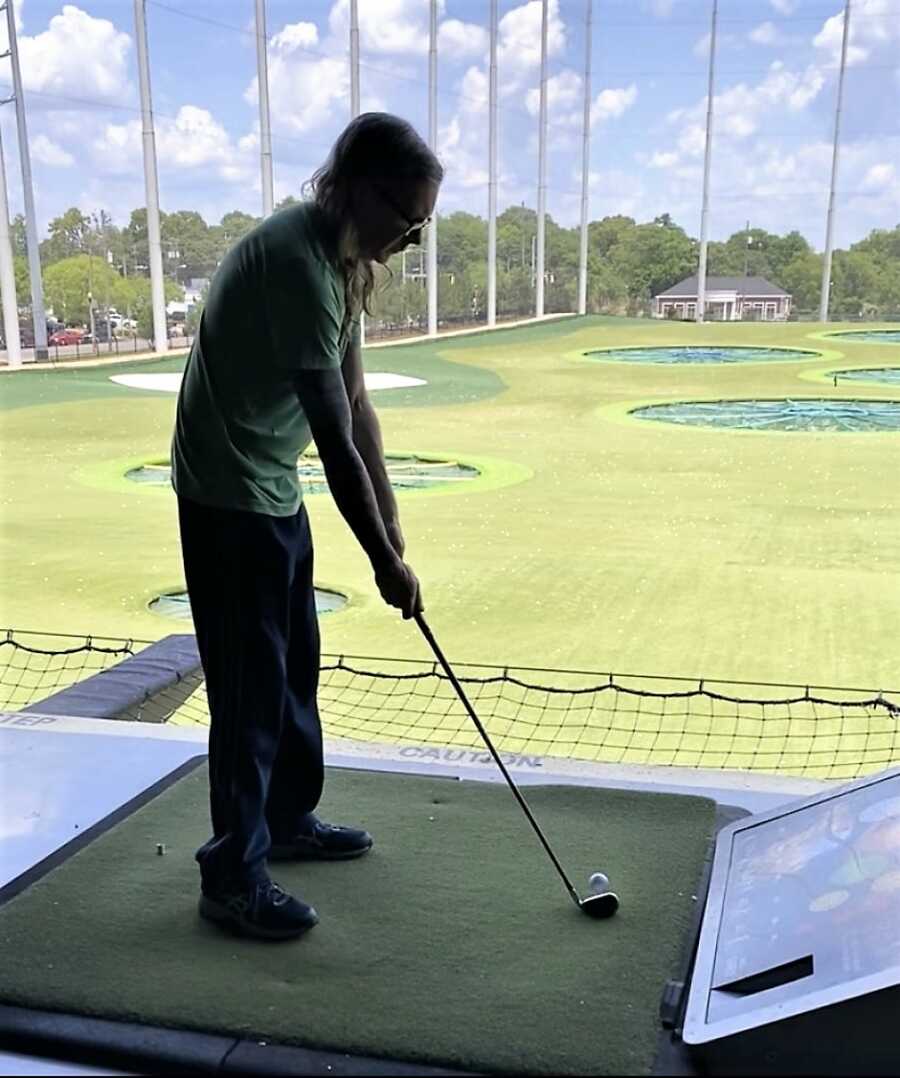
304, 307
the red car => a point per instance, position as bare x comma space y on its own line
67, 336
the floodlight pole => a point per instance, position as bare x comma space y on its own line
542, 169
825, 295
8, 277
432, 142
492, 175
265, 129
585, 163
704, 215
38, 315
354, 107
151, 183
354, 59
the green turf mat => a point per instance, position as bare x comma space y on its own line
453, 942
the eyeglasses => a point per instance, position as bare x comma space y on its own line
414, 226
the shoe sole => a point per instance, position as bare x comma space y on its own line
288, 853
211, 910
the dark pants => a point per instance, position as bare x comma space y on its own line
250, 581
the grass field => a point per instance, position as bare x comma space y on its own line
594, 540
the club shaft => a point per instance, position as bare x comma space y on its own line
426, 632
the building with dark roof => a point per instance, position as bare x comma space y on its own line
728, 299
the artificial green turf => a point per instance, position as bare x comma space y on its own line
447, 382
453, 942
615, 543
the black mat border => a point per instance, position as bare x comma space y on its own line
138, 1048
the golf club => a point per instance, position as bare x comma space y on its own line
597, 906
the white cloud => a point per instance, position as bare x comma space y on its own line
305, 91
565, 105
17, 15
879, 176
519, 45
47, 152
77, 55
701, 45
741, 109
611, 103
474, 91
296, 35
563, 91
662, 159
386, 26
783, 7
765, 34
194, 139
874, 25
459, 40
462, 156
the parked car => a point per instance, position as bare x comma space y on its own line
68, 336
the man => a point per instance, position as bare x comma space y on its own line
276, 362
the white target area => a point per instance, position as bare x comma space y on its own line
171, 382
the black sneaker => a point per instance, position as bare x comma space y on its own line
324, 842
262, 910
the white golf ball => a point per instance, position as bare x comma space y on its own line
599, 883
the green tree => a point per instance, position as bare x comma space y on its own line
140, 301
651, 258
67, 236
67, 284
882, 244
136, 244
516, 227
855, 277
462, 242
18, 235
23, 281
604, 234
802, 277
188, 248
515, 294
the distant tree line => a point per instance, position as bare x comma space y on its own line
628, 263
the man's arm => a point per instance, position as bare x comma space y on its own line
323, 396
366, 434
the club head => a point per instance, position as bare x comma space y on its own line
599, 906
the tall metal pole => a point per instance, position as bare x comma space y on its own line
432, 142
704, 215
354, 59
265, 130
8, 277
151, 184
38, 315
829, 222
492, 175
542, 168
354, 107
585, 163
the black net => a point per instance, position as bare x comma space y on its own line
816, 732
33, 666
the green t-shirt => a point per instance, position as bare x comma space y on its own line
275, 308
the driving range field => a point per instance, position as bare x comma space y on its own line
591, 539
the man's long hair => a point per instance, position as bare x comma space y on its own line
375, 144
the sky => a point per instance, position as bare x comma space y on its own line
774, 105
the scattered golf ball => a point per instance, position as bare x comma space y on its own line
599, 883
